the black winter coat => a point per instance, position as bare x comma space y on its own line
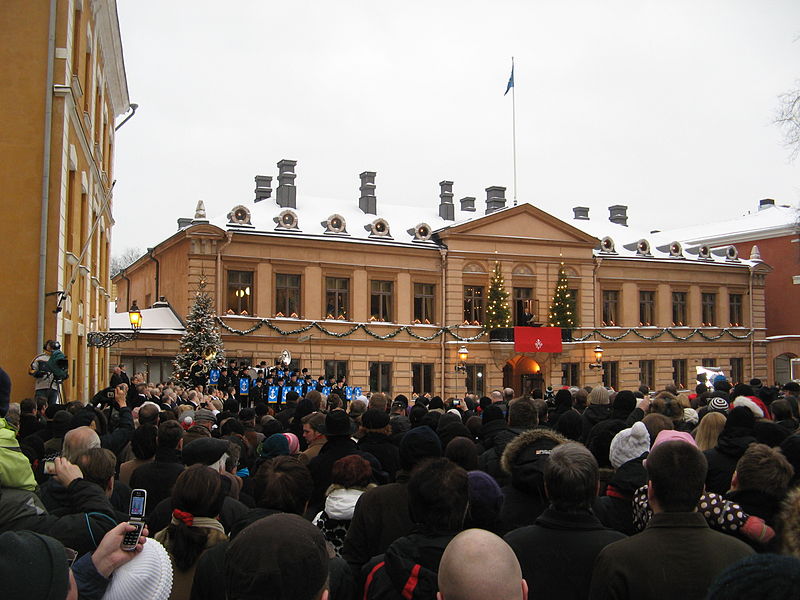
593, 414
723, 457
389, 576
615, 510
557, 553
158, 477
381, 516
90, 515
322, 464
382, 448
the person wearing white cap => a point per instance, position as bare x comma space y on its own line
147, 577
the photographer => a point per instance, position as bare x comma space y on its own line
116, 428
47, 379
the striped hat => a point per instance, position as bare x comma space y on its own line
718, 404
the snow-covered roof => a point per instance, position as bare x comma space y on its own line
770, 220
159, 319
415, 226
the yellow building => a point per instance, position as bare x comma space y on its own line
388, 295
63, 85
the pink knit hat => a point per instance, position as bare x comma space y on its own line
294, 443
670, 435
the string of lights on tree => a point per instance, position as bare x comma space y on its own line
201, 339
498, 313
562, 310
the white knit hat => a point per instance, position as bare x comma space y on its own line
147, 577
629, 444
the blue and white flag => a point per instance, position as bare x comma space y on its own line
244, 386
272, 395
213, 376
510, 79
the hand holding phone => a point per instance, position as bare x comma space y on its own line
136, 518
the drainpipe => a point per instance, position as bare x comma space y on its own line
152, 256
229, 238
48, 125
753, 334
443, 254
124, 275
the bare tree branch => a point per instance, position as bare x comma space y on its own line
788, 119
124, 260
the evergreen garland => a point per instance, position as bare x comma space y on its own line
498, 313
202, 339
562, 310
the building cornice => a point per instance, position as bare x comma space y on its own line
107, 28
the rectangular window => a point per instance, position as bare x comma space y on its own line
737, 370
709, 362
475, 380
611, 374
709, 304
679, 308
287, 294
380, 300
337, 297
380, 377
610, 307
647, 373
736, 314
570, 374
335, 369
523, 306
680, 373
422, 378
647, 308
473, 303
424, 302
240, 292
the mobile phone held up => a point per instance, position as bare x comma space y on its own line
136, 518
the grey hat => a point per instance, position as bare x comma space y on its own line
204, 451
203, 414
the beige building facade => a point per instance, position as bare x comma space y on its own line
63, 86
388, 295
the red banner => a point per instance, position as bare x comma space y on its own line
537, 339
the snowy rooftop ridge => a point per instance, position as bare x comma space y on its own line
369, 220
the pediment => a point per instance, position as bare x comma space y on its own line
521, 221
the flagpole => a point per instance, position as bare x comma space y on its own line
514, 128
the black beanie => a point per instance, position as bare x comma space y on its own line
740, 417
33, 566
418, 443
759, 576
492, 413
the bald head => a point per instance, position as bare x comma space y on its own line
496, 396
79, 439
460, 580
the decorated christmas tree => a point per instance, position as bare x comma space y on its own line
202, 339
562, 310
497, 312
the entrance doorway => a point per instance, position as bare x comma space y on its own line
523, 375
783, 371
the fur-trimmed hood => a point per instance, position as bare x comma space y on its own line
789, 522
525, 455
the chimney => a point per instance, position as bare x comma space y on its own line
618, 214
286, 194
468, 203
766, 203
581, 213
184, 222
446, 209
263, 187
495, 198
367, 202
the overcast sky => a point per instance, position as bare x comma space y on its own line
665, 106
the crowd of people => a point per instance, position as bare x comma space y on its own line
568, 493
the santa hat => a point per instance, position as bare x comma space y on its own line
756, 406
